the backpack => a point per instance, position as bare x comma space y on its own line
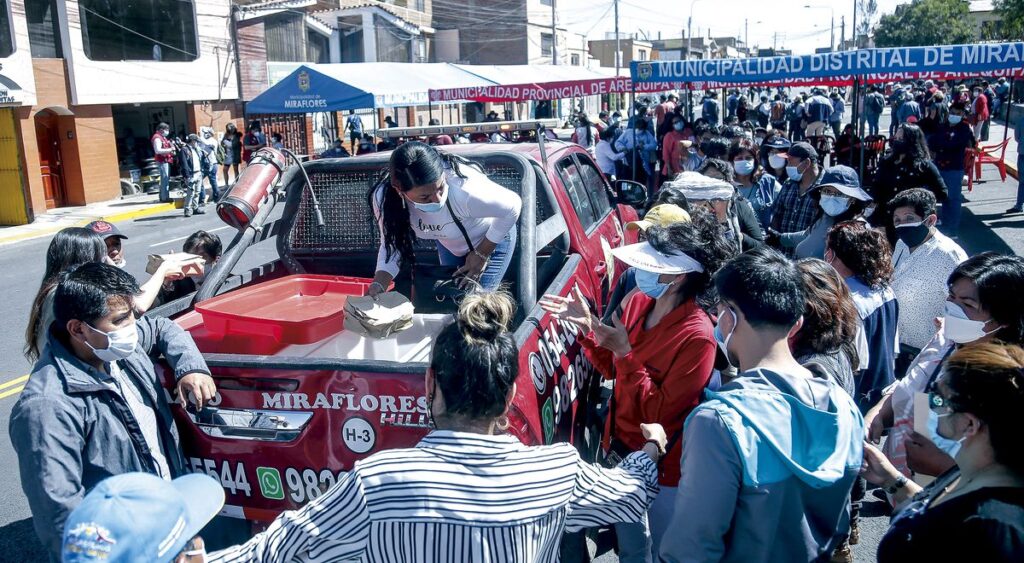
874, 103
778, 111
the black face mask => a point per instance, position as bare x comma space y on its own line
913, 236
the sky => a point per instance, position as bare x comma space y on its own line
798, 27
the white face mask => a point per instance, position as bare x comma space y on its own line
776, 162
961, 329
120, 343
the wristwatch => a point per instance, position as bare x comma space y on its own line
898, 484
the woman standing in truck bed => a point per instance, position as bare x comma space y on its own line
443, 198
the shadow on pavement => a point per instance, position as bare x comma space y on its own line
177, 215
18, 540
977, 237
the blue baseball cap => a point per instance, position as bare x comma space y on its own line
140, 517
844, 179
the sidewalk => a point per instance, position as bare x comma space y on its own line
123, 209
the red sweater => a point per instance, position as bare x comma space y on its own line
661, 379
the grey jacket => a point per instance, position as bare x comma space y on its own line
71, 428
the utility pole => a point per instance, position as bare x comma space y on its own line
842, 31
832, 41
746, 34
554, 32
618, 44
855, 44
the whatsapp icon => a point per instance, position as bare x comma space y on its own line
270, 483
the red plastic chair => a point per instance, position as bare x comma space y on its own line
987, 155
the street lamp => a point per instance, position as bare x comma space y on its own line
832, 39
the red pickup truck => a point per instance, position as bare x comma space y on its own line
290, 416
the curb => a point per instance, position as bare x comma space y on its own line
112, 218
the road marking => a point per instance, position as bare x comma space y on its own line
186, 236
13, 382
14, 391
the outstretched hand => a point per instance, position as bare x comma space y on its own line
573, 308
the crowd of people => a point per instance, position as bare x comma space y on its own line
783, 335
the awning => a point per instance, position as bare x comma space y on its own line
343, 86
873, 65
520, 83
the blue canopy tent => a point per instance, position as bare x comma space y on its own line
344, 86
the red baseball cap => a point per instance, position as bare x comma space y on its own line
105, 229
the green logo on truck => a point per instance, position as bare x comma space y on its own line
270, 483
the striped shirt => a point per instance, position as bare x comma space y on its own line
457, 497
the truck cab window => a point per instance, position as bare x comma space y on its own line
577, 190
596, 187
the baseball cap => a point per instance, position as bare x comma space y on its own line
777, 142
105, 229
801, 150
844, 179
140, 517
660, 216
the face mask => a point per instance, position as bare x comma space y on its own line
776, 161
834, 205
120, 343
955, 119
912, 234
723, 341
648, 283
961, 329
794, 173
948, 445
743, 167
869, 211
677, 126
433, 207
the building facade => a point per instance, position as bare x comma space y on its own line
103, 75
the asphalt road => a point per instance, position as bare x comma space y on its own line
21, 270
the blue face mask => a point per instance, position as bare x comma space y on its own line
678, 126
794, 173
743, 167
648, 283
955, 119
948, 445
834, 205
433, 207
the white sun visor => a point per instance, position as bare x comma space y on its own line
645, 257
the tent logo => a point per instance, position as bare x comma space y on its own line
304, 81
645, 71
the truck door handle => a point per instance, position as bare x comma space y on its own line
601, 268
616, 240
251, 424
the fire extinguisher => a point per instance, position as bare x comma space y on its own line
252, 188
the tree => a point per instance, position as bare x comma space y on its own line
866, 12
926, 22
1011, 13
